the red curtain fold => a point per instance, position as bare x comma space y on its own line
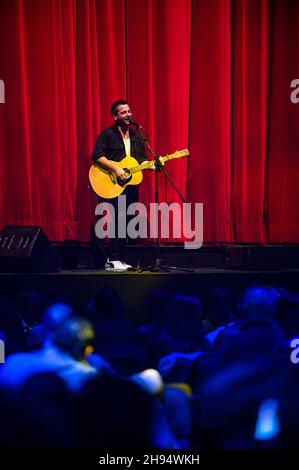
250, 76
213, 76
283, 168
209, 177
158, 74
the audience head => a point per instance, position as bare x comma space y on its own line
29, 305
53, 316
219, 306
156, 305
260, 303
108, 302
115, 413
75, 336
184, 316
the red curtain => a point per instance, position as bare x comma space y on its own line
209, 75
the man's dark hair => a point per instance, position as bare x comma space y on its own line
115, 105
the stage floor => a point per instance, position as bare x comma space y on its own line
217, 265
134, 287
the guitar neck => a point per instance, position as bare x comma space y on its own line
147, 165
142, 166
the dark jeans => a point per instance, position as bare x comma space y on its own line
117, 245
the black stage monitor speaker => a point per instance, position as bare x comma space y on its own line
26, 249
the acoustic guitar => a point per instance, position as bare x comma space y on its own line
108, 186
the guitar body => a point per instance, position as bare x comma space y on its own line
106, 186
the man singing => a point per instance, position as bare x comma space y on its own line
112, 145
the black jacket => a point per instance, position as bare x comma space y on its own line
110, 144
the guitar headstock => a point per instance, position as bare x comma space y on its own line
181, 153
177, 154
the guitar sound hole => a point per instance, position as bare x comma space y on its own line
129, 177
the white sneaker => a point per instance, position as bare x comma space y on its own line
127, 266
115, 266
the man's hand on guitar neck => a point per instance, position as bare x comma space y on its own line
153, 167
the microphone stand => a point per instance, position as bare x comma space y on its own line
158, 264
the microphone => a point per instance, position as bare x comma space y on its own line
132, 121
